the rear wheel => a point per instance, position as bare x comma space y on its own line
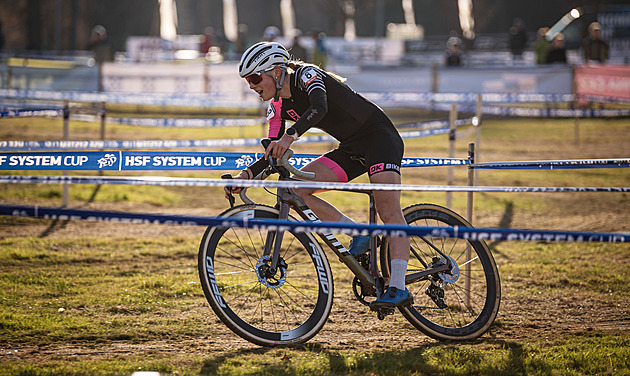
262, 305
461, 303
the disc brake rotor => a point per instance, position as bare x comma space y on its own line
265, 275
453, 275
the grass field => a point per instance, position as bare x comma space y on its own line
102, 298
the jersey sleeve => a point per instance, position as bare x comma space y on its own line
311, 80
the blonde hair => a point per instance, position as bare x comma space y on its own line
296, 64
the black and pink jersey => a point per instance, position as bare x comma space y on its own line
369, 142
321, 101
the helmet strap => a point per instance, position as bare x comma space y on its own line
278, 83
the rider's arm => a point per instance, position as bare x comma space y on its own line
255, 168
315, 113
274, 117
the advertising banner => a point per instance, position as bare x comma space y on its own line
117, 160
603, 81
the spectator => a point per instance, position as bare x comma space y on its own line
99, 43
595, 48
453, 52
518, 39
320, 54
297, 50
207, 40
541, 46
241, 39
271, 33
557, 53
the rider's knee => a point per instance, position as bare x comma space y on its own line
303, 192
392, 216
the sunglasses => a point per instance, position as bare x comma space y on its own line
254, 79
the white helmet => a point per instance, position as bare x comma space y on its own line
261, 57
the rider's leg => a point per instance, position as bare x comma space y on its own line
322, 208
390, 212
327, 170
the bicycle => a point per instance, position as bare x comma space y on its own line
276, 288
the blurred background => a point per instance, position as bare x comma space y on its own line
140, 45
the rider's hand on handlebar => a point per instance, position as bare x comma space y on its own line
245, 174
277, 148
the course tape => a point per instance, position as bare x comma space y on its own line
155, 99
322, 227
31, 112
164, 161
130, 144
185, 122
206, 100
555, 165
173, 144
530, 112
411, 97
201, 182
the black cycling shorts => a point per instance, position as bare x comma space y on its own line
375, 148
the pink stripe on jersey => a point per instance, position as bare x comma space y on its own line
341, 174
274, 118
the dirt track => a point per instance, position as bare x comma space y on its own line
543, 316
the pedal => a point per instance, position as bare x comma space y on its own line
384, 312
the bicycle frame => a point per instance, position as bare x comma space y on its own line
287, 200
372, 277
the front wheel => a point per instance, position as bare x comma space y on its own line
458, 304
265, 306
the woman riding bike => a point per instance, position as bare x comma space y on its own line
369, 142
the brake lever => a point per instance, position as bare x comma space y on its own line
229, 188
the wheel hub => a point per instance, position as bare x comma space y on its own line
453, 274
269, 277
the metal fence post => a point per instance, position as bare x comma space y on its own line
451, 153
469, 217
66, 137
477, 124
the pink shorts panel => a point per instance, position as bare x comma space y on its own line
341, 174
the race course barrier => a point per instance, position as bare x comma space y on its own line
163, 160
472, 234
555, 165
172, 144
427, 100
241, 183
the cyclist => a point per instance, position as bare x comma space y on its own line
369, 142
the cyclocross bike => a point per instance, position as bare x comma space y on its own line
276, 287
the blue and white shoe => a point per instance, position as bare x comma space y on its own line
359, 245
391, 298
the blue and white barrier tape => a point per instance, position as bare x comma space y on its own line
472, 234
531, 112
155, 99
435, 101
163, 160
553, 112
200, 182
172, 144
49, 112
209, 100
603, 99
555, 165
409, 98
185, 122
142, 144
434, 124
